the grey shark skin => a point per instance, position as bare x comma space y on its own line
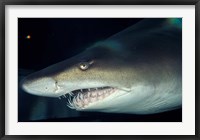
136, 71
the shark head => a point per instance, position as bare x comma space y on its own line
90, 80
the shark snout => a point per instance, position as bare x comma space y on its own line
45, 86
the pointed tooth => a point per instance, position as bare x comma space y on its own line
71, 107
77, 100
94, 94
78, 96
71, 104
82, 96
86, 95
93, 99
81, 90
69, 101
100, 97
86, 101
74, 102
107, 94
100, 93
88, 89
59, 98
70, 98
64, 96
89, 93
89, 98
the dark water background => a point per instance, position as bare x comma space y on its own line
53, 40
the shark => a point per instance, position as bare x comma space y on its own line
136, 71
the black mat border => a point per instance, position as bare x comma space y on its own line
3, 3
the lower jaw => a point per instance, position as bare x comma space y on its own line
80, 99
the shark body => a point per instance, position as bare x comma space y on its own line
136, 71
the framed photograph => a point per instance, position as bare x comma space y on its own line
104, 69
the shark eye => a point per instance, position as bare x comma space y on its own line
84, 65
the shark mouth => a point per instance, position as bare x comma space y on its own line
79, 99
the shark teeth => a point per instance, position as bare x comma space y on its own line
80, 99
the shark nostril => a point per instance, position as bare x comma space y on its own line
57, 87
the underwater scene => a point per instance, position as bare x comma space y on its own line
99, 69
